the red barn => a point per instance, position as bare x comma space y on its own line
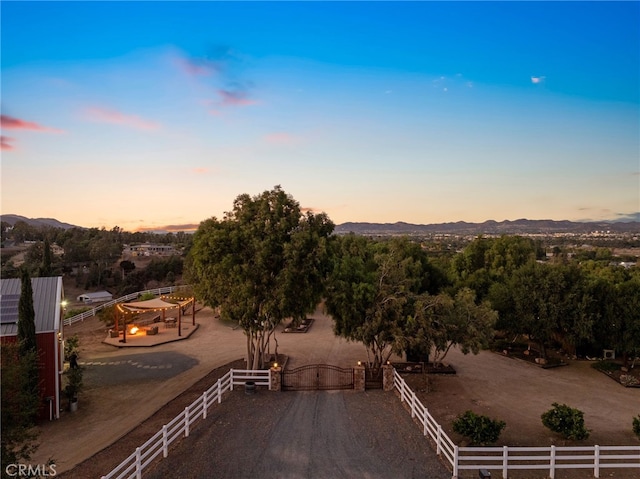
47, 303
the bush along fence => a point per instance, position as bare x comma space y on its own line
506, 458
92, 312
180, 426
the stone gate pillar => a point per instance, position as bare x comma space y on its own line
387, 377
276, 379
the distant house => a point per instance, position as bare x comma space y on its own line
148, 249
97, 297
47, 303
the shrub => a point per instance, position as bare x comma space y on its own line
566, 421
71, 345
146, 297
636, 426
606, 366
481, 430
70, 313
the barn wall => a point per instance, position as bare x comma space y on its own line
48, 361
47, 370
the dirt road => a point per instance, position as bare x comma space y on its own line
305, 435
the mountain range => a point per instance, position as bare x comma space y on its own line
521, 226
37, 222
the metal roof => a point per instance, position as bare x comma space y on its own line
47, 295
97, 296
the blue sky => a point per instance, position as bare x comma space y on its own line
149, 114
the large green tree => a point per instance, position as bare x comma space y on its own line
548, 303
260, 264
371, 292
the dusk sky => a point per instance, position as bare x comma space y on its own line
145, 115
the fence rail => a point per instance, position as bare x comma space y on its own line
92, 312
181, 425
508, 458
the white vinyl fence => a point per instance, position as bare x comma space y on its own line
506, 458
180, 426
92, 312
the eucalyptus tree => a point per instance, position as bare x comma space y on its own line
624, 328
546, 302
260, 264
371, 292
485, 262
456, 321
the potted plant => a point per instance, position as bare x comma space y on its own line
73, 387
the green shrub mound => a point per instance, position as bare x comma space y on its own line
566, 421
482, 430
636, 426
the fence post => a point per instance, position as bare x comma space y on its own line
413, 404
552, 463
231, 377
455, 461
186, 421
204, 405
425, 429
138, 464
438, 439
219, 390
165, 442
596, 461
505, 462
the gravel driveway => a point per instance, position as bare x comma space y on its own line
310, 435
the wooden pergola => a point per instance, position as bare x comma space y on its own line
150, 306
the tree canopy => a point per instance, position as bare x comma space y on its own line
262, 263
386, 295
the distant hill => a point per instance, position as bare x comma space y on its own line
13, 219
522, 226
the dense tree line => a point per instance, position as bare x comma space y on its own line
266, 261
91, 255
583, 306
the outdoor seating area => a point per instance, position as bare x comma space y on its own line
142, 322
150, 335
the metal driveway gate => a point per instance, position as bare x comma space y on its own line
315, 377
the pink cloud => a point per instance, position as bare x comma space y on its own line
235, 98
197, 68
105, 115
200, 170
5, 143
11, 123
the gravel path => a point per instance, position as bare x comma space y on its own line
305, 435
